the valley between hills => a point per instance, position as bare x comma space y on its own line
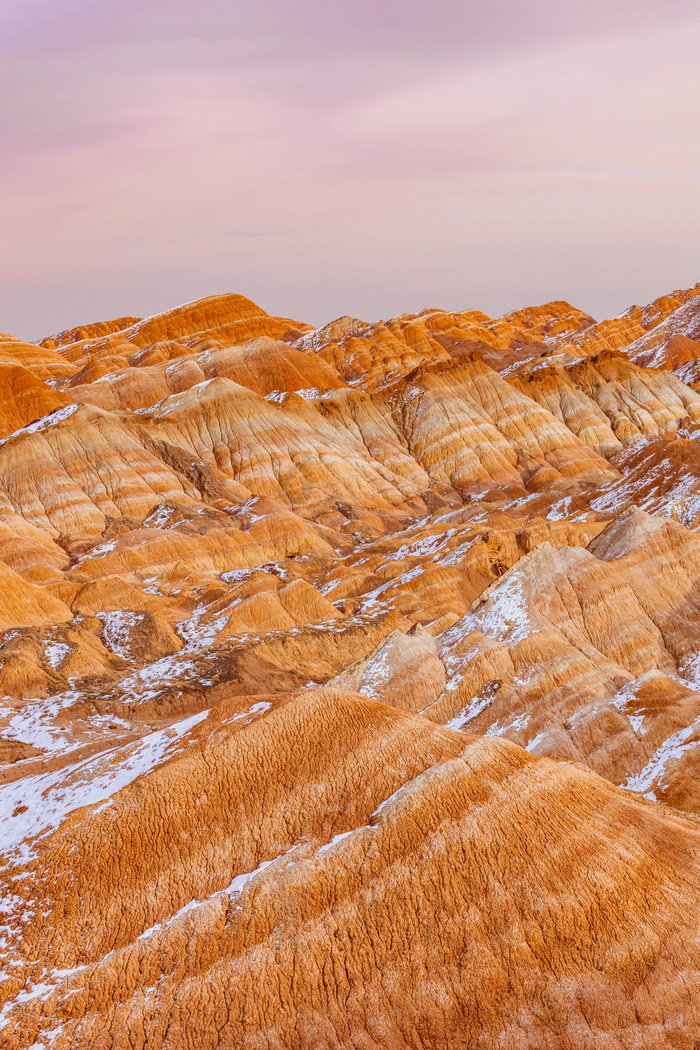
350, 681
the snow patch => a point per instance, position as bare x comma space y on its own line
96, 552
621, 700
38, 805
339, 838
506, 616
56, 652
423, 546
390, 799
511, 726
44, 423
160, 517
116, 631
35, 724
468, 713
253, 711
235, 887
689, 670
653, 773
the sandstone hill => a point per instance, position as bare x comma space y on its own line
350, 681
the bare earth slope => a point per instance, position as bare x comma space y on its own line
350, 681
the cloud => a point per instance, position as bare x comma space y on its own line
328, 157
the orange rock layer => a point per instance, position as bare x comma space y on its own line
350, 681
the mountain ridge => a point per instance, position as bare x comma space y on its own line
350, 680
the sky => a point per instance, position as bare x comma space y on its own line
330, 157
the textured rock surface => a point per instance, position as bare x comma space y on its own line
350, 681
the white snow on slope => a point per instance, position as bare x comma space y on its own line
672, 748
116, 631
236, 886
35, 722
37, 805
56, 652
44, 423
506, 615
511, 725
478, 704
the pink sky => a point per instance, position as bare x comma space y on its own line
345, 156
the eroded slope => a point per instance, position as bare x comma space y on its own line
349, 676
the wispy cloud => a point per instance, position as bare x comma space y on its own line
328, 158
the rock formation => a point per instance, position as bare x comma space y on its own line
350, 681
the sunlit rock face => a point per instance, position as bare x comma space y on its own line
350, 680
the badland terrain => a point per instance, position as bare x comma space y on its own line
350, 681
